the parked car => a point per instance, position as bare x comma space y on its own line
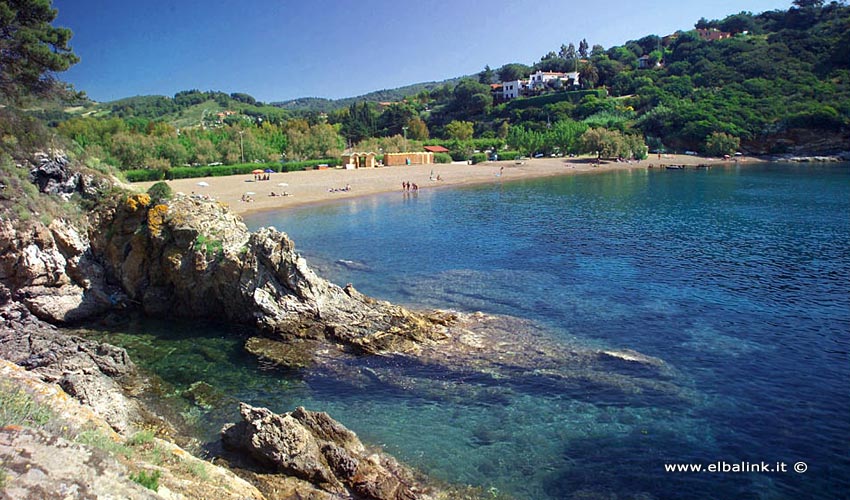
691, 153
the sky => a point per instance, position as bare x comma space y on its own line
276, 50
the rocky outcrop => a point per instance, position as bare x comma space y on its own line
313, 447
42, 465
53, 174
71, 452
193, 258
86, 370
52, 271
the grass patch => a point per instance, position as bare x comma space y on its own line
149, 481
198, 469
99, 440
140, 438
209, 245
19, 408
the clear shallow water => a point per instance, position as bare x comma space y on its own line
738, 278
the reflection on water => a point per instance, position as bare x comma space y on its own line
736, 278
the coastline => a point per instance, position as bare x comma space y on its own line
314, 186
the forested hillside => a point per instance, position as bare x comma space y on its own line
772, 82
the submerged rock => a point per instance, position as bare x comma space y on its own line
315, 448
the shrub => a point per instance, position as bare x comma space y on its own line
99, 440
149, 481
144, 175
160, 192
508, 155
478, 158
719, 144
442, 158
18, 408
140, 438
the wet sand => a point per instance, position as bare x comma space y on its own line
314, 186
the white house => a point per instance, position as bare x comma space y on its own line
539, 79
571, 78
512, 90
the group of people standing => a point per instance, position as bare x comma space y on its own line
409, 186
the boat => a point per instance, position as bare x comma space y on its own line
675, 167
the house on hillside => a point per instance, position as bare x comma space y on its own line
540, 79
645, 63
496, 91
514, 89
712, 34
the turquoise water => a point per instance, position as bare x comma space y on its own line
736, 277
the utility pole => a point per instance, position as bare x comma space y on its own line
404, 129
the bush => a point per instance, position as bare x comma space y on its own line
144, 175
459, 155
149, 481
478, 158
508, 155
442, 158
19, 408
147, 175
160, 192
719, 144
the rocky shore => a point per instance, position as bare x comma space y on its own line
191, 258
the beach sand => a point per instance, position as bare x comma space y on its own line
313, 186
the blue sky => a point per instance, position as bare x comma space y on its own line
282, 49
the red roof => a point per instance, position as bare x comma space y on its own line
436, 149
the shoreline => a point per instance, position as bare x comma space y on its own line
314, 187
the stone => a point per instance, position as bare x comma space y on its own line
314, 447
41, 465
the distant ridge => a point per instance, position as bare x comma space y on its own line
322, 104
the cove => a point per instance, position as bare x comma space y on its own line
735, 277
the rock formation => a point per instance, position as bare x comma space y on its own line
313, 447
193, 258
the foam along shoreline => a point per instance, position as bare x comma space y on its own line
322, 186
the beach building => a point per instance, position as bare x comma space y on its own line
360, 160
436, 149
412, 158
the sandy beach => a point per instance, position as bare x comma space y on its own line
320, 186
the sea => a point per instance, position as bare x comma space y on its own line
737, 277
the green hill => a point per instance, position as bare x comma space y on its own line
387, 95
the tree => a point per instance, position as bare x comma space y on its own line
524, 140
565, 135
567, 53
31, 50
720, 143
417, 130
808, 4
582, 48
460, 130
513, 72
360, 122
471, 98
487, 76
605, 143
